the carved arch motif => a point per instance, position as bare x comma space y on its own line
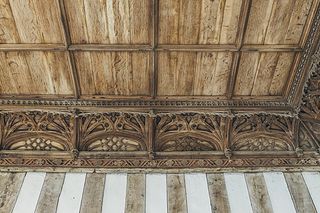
37, 131
113, 132
189, 132
262, 133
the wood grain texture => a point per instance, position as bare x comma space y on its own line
198, 22
36, 73
177, 201
109, 21
93, 193
49, 196
9, 190
299, 191
136, 192
258, 193
277, 22
113, 73
218, 193
263, 74
30, 21
193, 73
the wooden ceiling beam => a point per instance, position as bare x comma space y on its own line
244, 16
128, 48
66, 31
155, 35
33, 47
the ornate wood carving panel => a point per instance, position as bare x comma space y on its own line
41, 131
112, 132
160, 84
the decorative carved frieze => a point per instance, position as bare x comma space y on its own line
113, 132
35, 130
189, 132
262, 133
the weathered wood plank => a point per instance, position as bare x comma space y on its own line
246, 73
9, 33
263, 74
109, 21
49, 196
135, 198
36, 73
258, 193
114, 73
177, 201
281, 73
198, 22
277, 22
299, 191
93, 193
218, 193
36, 21
193, 73
10, 184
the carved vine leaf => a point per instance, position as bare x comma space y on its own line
262, 133
309, 132
189, 132
36, 131
309, 136
113, 132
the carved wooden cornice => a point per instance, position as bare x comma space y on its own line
164, 139
165, 134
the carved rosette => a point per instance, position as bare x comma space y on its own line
36, 131
189, 132
266, 133
112, 132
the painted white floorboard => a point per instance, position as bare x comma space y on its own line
198, 199
312, 180
115, 189
279, 194
29, 192
71, 193
156, 193
238, 195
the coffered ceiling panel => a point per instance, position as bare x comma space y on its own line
226, 50
30, 21
277, 21
114, 73
198, 22
263, 74
193, 73
109, 21
35, 73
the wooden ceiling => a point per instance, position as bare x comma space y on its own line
159, 83
145, 49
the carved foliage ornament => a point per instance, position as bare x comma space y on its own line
113, 132
262, 133
189, 132
36, 131
309, 134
